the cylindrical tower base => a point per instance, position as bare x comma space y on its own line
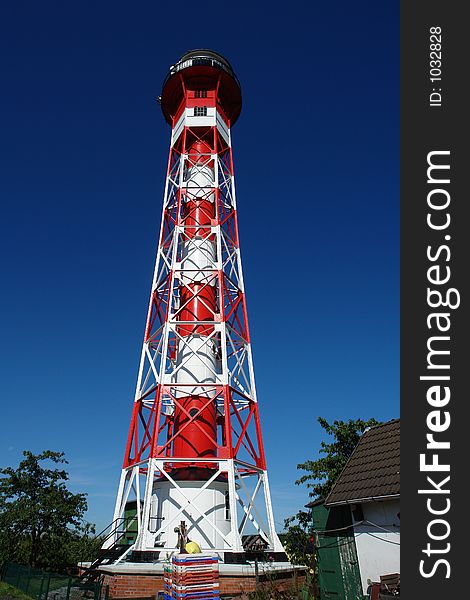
167, 501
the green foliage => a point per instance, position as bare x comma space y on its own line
61, 553
320, 477
41, 521
8, 592
323, 472
268, 587
297, 540
272, 592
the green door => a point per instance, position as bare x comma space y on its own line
338, 569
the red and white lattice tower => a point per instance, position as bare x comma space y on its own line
194, 451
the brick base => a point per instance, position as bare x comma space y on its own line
146, 587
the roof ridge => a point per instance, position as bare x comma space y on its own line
381, 425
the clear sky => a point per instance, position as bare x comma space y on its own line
83, 151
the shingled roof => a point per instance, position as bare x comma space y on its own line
373, 469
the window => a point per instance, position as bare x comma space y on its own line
200, 94
227, 506
202, 61
200, 111
357, 512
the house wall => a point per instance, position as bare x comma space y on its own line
378, 551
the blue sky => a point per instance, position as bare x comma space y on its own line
83, 152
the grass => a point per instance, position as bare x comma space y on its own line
8, 592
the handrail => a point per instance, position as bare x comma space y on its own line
115, 525
120, 520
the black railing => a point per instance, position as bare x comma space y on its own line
201, 60
114, 528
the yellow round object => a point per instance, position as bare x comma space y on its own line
192, 548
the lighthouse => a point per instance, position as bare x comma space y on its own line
194, 464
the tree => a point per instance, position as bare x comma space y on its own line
323, 472
320, 477
62, 553
36, 507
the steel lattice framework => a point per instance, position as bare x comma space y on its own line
195, 421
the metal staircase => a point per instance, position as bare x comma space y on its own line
108, 555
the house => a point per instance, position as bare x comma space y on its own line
358, 525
